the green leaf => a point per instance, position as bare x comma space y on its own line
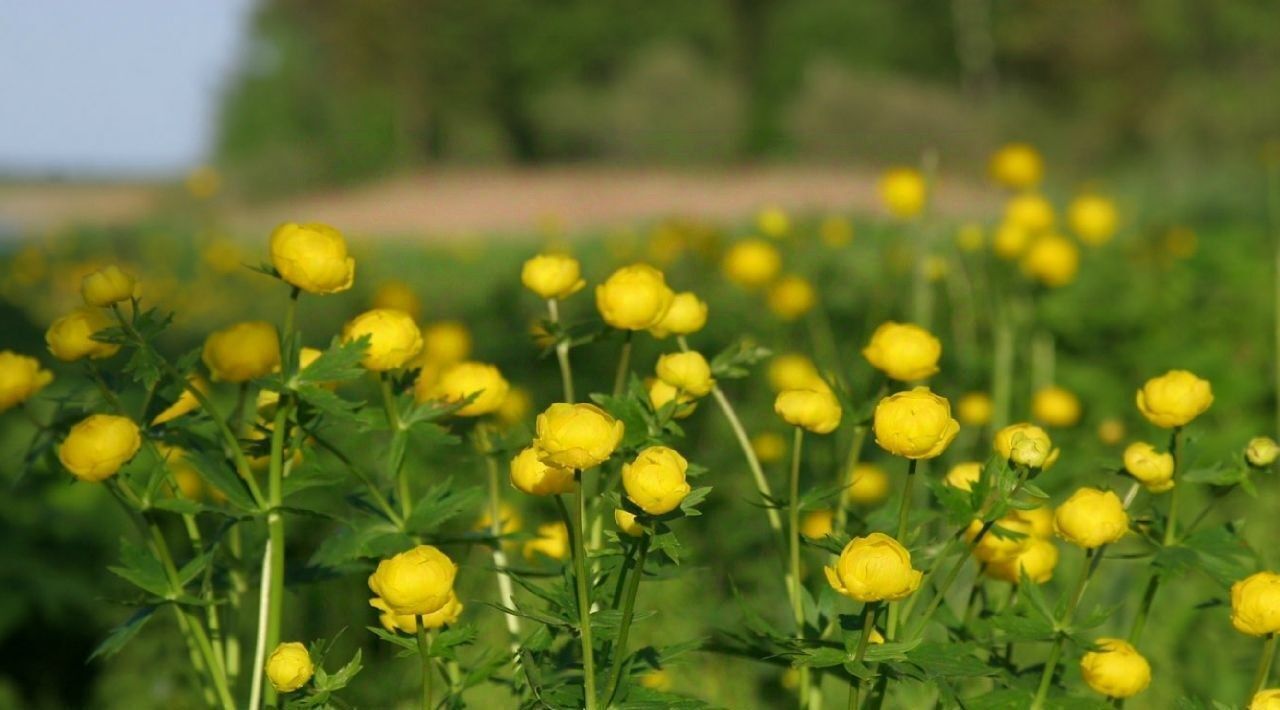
1035, 600
734, 361
442, 503
327, 402
1222, 554
1015, 627
195, 566
217, 473
339, 680
1216, 474
446, 642
633, 414
141, 568
949, 659
339, 362
123, 633
404, 642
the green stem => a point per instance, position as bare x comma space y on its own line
1144, 608
562, 352
1002, 367
1264, 665
379, 499
624, 365
628, 613
904, 519
793, 547
1273, 212
395, 455
1171, 525
424, 651
846, 475
868, 625
1092, 559
506, 590
577, 529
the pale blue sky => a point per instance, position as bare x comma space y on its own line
114, 86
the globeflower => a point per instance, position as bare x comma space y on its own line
242, 352
1056, 406
461, 380
552, 276
1261, 451
1174, 398
686, 371
874, 568
915, 424
627, 523
98, 445
974, 409
791, 297
394, 339
687, 315
793, 371
1152, 468
869, 486
660, 393
1255, 604
397, 295
817, 411
418, 581
107, 286
21, 377
751, 263
312, 257
634, 297
962, 476
1052, 260
289, 667
552, 541
655, 480
1093, 218
1017, 166
530, 475
185, 403
1030, 211
1026, 445
903, 192
1091, 518
408, 623
1117, 670
903, 351
1038, 559
576, 436
70, 337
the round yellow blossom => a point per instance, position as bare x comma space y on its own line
769, 446
1152, 468
289, 667
398, 295
1174, 398
817, 524
634, 297
993, 546
772, 221
1261, 451
1031, 211
1111, 431
1255, 604
627, 523
106, 286
660, 393
686, 371
687, 314
312, 257
751, 263
552, 541
515, 406
1268, 699
791, 297
1037, 559
1117, 670
1017, 166
1041, 520
242, 352
817, 411
461, 380
793, 371
870, 485
1056, 406
186, 401
394, 339
963, 475
408, 623
874, 568
1091, 518
443, 343
903, 351
577, 436
530, 475
1093, 218
551, 276
974, 409
70, 337
1052, 260
98, 445
655, 481
915, 424
657, 679
903, 192
1010, 240
1025, 444
21, 377
418, 581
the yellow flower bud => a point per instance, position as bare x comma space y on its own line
1056, 406
1026, 445
399, 296
531, 475
655, 480
418, 581
974, 409
462, 380
552, 276
791, 297
963, 475
1111, 431
552, 541
106, 286
408, 623
1268, 699
70, 337
1116, 671
1010, 240
1091, 518
576, 436
312, 257
241, 352
903, 192
817, 411
769, 446
903, 351
1052, 260
660, 393
1030, 211
751, 263
1152, 468
773, 222
627, 523
792, 371
98, 445
1038, 558
1255, 604
1093, 218
870, 485
817, 524
21, 377
1017, 166
687, 372
1174, 398
915, 424
289, 667
1260, 453
634, 297
874, 568
687, 314
185, 403
394, 339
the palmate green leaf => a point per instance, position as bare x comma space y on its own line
141, 568
606, 623
441, 503
735, 361
1016, 627
632, 412
186, 506
447, 642
1034, 599
408, 644
1222, 554
956, 504
316, 474
369, 538
339, 362
122, 634
195, 566
955, 660
326, 402
1216, 474
329, 682
217, 473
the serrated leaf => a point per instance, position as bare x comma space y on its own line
735, 361
141, 568
122, 634
219, 474
339, 362
949, 660
442, 503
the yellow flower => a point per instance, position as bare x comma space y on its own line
627, 523
443, 343
531, 475
1152, 468
903, 351
791, 297
1052, 260
551, 276
552, 541
769, 446
870, 485
394, 339
772, 221
660, 393
836, 231
1255, 604
817, 524
974, 409
1041, 520
792, 371
687, 372
1017, 166
515, 406
576, 436
1031, 211
418, 581
399, 296
963, 475
21, 377
1260, 453
634, 297
1025, 444
1038, 559
903, 192
874, 568
657, 679
817, 411
289, 667
687, 314
408, 623
98, 445
916, 424
462, 380
506, 512
185, 403
70, 337
655, 480
1010, 240
751, 263
106, 286
1116, 671
1174, 398
1056, 406
1268, 699
1093, 218
312, 257
993, 547
1111, 431
1091, 518
970, 237
243, 351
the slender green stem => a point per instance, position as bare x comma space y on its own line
847, 474
904, 520
562, 352
1263, 673
506, 590
395, 455
1092, 559
868, 625
424, 652
379, 499
1144, 608
1273, 212
628, 613
577, 529
236, 419
1171, 524
624, 365
793, 547
974, 592
1002, 365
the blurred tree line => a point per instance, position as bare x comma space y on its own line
335, 91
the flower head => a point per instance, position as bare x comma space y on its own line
1017, 166
242, 352
459, 381
21, 377
903, 192
634, 297
394, 339
576, 436
915, 424
686, 371
687, 314
655, 480
1026, 445
1091, 518
551, 276
106, 286
312, 257
1152, 468
751, 263
1174, 398
874, 568
817, 411
531, 475
289, 667
1261, 451
70, 337
552, 541
1052, 260
1093, 218
418, 581
1056, 406
1117, 670
408, 623
1255, 604
903, 351
791, 297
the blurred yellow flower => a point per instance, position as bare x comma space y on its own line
791, 297
106, 286
397, 295
1056, 406
1260, 452
1031, 211
772, 221
1052, 260
963, 475
552, 541
869, 486
1010, 240
98, 445
70, 337
1111, 431
530, 475
242, 352
835, 231
793, 371
1152, 468
903, 192
688, 372
1093, 218
974, 409
312, 257
752, 263
687, 314
769, 446
903, 351
1017, 166
551, 276
466, 379
817, 524
21, 377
